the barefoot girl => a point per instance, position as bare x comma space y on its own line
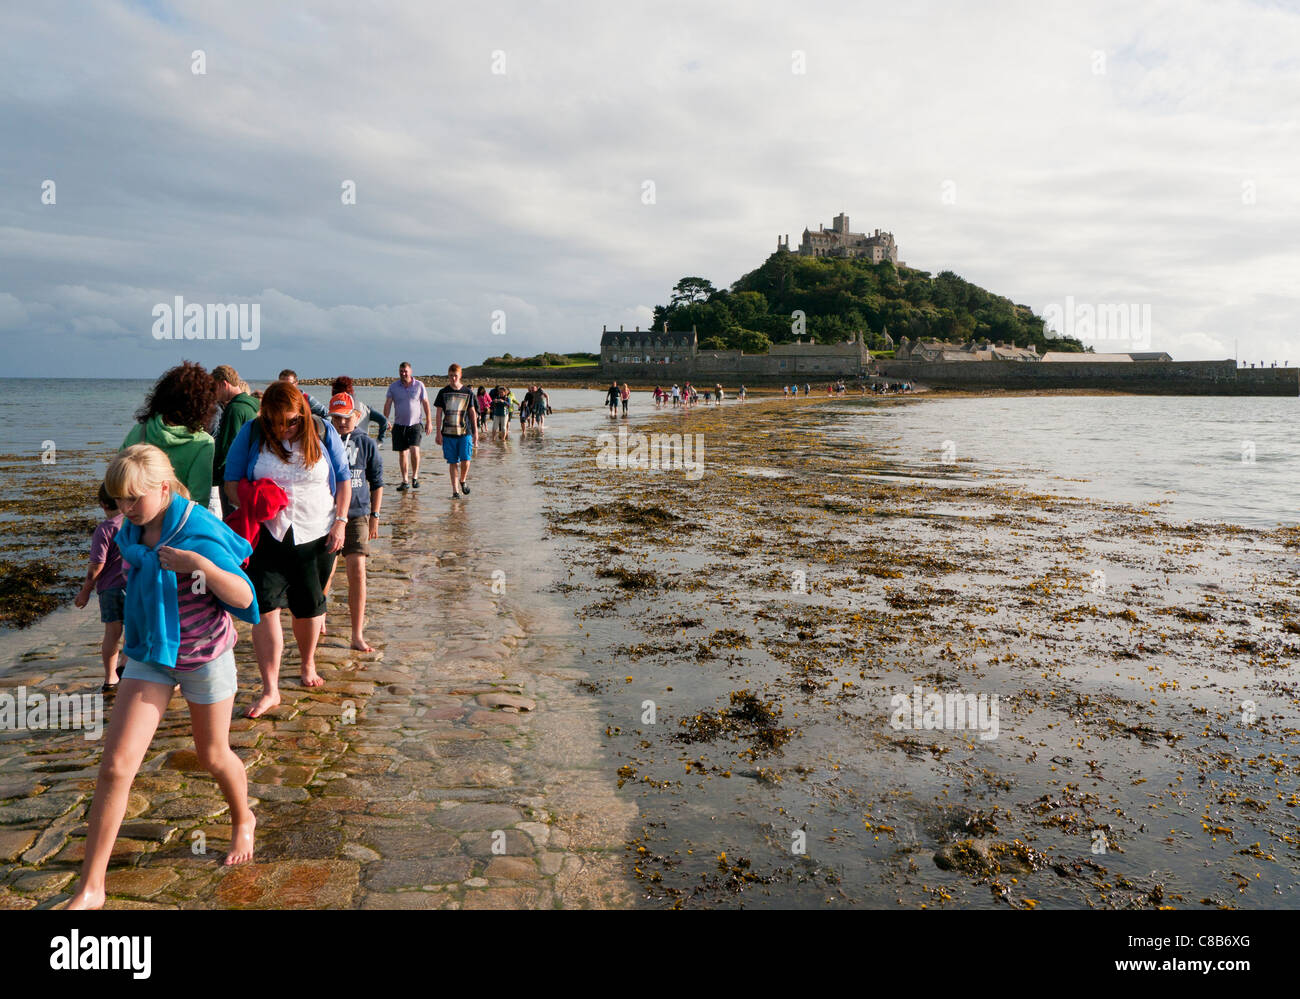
183, 578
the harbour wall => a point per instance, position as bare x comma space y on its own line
1144, 377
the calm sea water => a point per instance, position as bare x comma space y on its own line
1225, 459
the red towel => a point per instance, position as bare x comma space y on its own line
259, 500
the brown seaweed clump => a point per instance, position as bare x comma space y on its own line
29, 591
981, 857
628, 579
749, 717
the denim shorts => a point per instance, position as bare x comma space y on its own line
112, 604
457, 449
211, 683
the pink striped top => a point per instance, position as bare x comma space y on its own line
206, 628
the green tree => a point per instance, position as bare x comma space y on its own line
750, 341
691, 289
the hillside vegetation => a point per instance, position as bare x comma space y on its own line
837, 297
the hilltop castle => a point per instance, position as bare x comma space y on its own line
839, 241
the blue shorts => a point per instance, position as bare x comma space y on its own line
112, 604
457, 449
211, 683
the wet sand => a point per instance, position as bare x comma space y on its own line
1146, 749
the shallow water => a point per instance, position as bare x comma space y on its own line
1184, 452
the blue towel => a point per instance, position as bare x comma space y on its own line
153, 627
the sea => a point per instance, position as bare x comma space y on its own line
1222, 459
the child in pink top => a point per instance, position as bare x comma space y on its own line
106, 577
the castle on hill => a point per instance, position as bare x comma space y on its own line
840, 241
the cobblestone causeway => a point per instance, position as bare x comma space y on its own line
455, 767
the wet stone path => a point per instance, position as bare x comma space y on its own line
454, 767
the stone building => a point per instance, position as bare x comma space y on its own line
939, 350
649, 356
840, 241
646, 347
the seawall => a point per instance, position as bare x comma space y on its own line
1143, 377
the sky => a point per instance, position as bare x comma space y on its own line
527, 173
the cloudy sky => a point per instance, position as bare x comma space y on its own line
1116, 153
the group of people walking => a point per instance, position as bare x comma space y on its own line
688, 395
297, 484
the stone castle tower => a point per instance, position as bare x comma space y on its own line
841, 241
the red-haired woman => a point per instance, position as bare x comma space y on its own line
296, 548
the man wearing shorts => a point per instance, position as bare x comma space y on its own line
363, 511
457, 429
408, 399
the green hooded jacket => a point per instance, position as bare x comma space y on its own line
236, 413
190, 453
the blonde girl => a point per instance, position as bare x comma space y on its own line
183, 582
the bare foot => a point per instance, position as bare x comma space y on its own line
359, 643
264, 704
86, 899
241, 841
310, 678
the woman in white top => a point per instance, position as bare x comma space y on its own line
295, 549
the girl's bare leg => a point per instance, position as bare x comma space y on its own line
211, 724
140, 706
268, 646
